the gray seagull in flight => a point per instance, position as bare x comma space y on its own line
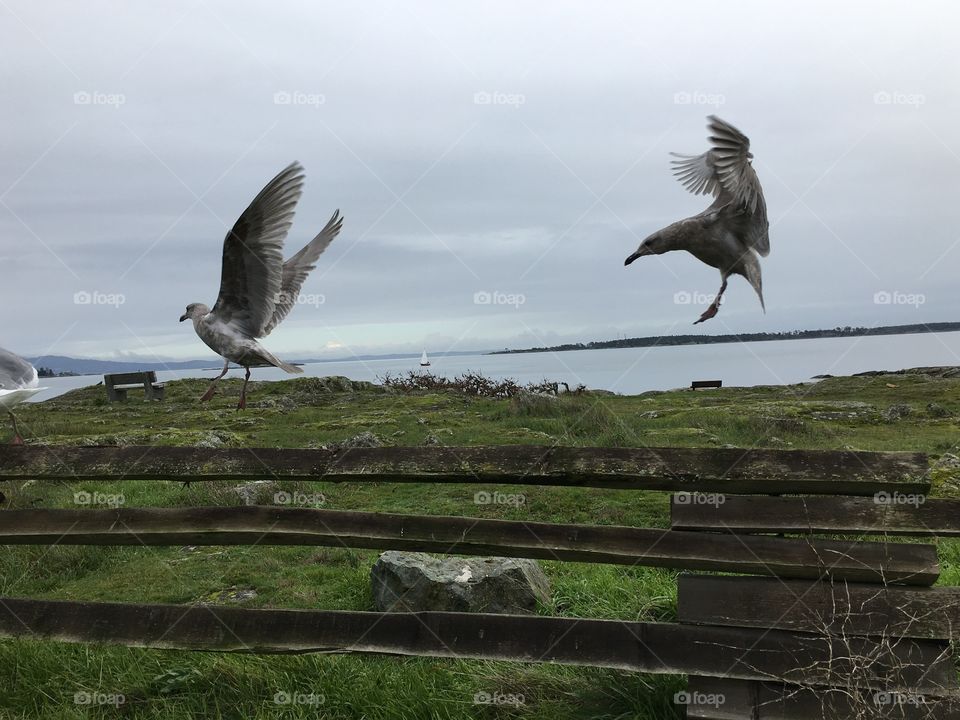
18, 383
733, 231
257, 288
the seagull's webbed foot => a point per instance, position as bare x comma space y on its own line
17, 440
715, 305
213, 383
708, 313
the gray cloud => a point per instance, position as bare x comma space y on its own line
492, 149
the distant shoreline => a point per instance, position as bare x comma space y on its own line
673, 340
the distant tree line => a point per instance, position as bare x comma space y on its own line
46, 372
665, 340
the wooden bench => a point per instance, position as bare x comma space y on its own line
703, 384
117, 385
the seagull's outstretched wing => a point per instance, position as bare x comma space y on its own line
253, 255
296, 269
725, 171
15, 372
725, 167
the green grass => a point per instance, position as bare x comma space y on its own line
39, 679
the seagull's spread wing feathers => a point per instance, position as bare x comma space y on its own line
15, 372
726, 172
296, 269
696, 173
252, 274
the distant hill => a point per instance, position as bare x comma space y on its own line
667, 340
85, 366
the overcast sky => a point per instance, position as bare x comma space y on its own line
512, 149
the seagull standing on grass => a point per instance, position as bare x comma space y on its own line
730, 233
18, 383
257, 288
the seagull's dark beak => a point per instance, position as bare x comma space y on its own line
641, 251
182, 318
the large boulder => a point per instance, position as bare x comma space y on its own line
411, 582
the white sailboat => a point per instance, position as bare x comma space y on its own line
424, 360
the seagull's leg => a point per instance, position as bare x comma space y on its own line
17, 439
715, 305
213, 384
242, 405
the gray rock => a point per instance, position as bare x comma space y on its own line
897, 412
363, 440
411, 582
230, 596
251, 492
948, 460
937, 410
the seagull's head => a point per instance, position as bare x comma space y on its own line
194, 311
654, 245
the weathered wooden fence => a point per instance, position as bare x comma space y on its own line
810, 627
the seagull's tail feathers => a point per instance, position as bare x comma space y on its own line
753, 275
277, 362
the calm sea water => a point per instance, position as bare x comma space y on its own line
634, 370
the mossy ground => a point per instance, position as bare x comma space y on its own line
40, 679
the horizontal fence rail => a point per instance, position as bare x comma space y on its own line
886, 514
264, 525
716, 699
705, 469
839, 608
648, 647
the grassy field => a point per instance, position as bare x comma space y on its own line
44, 679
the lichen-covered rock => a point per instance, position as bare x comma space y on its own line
937, 410
363, 440
255, 492
230, 596
897, 412
411, 582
